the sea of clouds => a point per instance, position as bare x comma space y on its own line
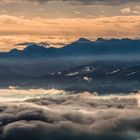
67, 116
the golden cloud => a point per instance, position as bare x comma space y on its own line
116, 26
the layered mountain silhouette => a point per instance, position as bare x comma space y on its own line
80, 47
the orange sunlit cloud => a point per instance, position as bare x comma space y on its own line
37, 28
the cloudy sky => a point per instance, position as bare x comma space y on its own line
61, 21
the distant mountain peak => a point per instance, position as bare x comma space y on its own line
15, 51
34, 49
83, 40
101, 39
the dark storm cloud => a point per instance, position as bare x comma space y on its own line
98, 2
71, 118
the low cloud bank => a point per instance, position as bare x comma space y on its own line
71, 117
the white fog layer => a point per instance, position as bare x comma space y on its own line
62, 115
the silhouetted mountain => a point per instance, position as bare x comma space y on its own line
15, 52
83, 40
80, 47
34, 50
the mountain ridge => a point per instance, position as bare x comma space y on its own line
79, 47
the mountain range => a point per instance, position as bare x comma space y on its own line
80, 47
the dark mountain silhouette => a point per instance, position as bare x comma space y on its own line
34, 50
80, 47
14, 53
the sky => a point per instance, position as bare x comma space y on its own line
58, 22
